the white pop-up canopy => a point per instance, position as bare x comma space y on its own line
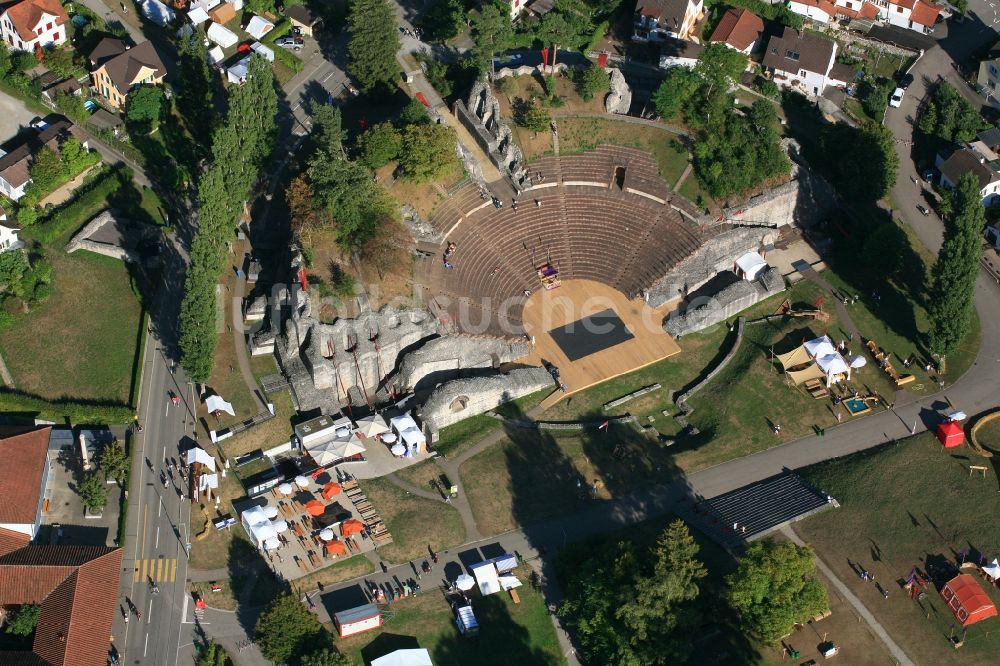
820, 347
198, 15
372, 426
257, 525
200, 455
221, 35
215, 403
486, 577
992, 569
208, 481
834, 364
859, 361
409, 432
327, 453
751, 264
411, 657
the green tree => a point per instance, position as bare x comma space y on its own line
328, 130
326, 657
414, 113
114, 462
13, 266
444, 20
953, 278
592, 80
720, 65
24, 621
72, 107
533, 117
374, 42
876, 96
194, 98
884, 251
47, 171
491, 32
213, 655
61, 61
775, 587
866, 162
949, 116
93, 492
677, 88
76, 157
261, 6
568, 24
287, 631
144, 107
379, 145
961, 6
428, 152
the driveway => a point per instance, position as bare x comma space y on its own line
14, 115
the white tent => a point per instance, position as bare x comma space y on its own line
992, 569
222, 35
509, 582
505, 562
409, 432
272, 544
157, 12
258, 27
215, 403
486, 577
185, 31
238, 73
465, 582
751, 264
958, 415
206, 481
204, 5
199, 455
821, 346
412, 657
258, 527
859, 361
198, 15
263, 50
372, 426
834, 364
216, 55
237, 4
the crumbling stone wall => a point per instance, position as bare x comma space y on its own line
445, 358
727, 303
459, 399
480, 114
713, 257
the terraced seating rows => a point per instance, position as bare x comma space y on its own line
604, 234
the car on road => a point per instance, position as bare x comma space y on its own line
923, 209
293, 43
896, 100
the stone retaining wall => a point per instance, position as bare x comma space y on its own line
726, 304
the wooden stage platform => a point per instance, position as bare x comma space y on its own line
576, 299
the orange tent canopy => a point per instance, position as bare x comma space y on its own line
967, 600
315, 508
336, 548
351, 526
331, 489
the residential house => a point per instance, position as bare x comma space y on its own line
29, 24
76, 588
989, 76
516, 7
739, 29
9, 239
15, 166
23, 476
658, 20
303, 18
802, 61
977, 159
117, 67
678, 53
914, 15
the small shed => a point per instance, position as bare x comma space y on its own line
257, 47
197, 16
303, 18
223, 13
357, 620
222, 35
258, 26
951, 434
750, 265
216, 55
967, 600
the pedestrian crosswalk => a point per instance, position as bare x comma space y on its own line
161, 570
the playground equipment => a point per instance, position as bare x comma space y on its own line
787, 310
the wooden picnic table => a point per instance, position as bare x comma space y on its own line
299, 532
301, 563
313, 559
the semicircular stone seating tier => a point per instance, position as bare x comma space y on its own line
604, 215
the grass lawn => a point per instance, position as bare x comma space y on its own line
214, 550
509, 633
456, 438
82, 341
904, 505
423, 475
691, 189
335, 573
532, 475
414, 522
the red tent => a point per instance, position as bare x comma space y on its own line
951, 434
336, 548
351, 526
331, 489
967, 600
315, 508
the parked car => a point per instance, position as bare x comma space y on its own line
896, 100
39, 124
351, 89
293, 43
923, 209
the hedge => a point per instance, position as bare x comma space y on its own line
65, 409
89, 200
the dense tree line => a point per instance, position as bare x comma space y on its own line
861, 163
239, 148
288, 633
953, 278
630, 607
374, 42
949, 117
194, 98
734, 151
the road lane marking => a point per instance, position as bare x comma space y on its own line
173, 572
157, 545
145, 646
159, 509
159, 570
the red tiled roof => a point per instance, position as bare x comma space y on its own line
868, 11
11, 540
26, 14
23, 454
903, 3
825, 6
77, 589
738, 28
925, 14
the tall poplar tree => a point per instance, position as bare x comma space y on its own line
374, 43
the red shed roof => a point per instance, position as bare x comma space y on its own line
967, 600
738, 28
